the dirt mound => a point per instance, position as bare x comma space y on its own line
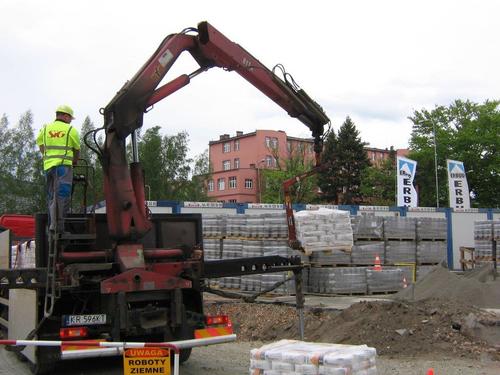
432, 326
476, 288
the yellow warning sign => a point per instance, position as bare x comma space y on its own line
146, 361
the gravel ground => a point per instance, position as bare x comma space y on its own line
233, 359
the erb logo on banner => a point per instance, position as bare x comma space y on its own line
457, 185
407, 195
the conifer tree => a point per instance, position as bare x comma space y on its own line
345, 161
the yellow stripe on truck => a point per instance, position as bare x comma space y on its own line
212, 332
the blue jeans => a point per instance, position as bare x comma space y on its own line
59, 181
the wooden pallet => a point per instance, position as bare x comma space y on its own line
432, 239
401, 239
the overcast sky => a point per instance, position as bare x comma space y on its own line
375, 61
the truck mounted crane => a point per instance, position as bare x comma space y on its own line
128, 274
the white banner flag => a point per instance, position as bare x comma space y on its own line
457, 185
407, 195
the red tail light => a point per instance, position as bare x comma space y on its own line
217, 319
73, 333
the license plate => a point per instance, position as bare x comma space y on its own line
84, 320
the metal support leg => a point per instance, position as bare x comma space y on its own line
299, 300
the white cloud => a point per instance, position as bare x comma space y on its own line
373, 61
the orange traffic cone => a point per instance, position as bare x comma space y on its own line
430, 371
405, 283
378, 264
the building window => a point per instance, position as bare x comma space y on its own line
232, 201
236, 145
226, 147
289, 146
221, 184
232, 182
226, 165
248, 183
210, 185
269, 161
236, 163
271, 142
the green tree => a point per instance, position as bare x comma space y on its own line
463, 131
152, 161
165, 163
177, 166
271, 183
202, 171
345, 160
88, 166
4, 162
378, 183
23, 187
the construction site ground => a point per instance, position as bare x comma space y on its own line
414, 330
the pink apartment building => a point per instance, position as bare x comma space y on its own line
238, 160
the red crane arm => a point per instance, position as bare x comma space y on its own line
124, 188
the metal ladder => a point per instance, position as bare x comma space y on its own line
50, 286
57, 239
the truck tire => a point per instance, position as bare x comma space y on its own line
46, 359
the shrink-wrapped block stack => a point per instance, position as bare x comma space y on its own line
400, 251
485, 231
400, 228
267, 225
324, 230
231, 249
388, 279
236, 225
291, 357
339, 248
431, 252
368, 226
279, 248
365, 252
342, 280
212, 248
431, 228
214, 225
252, 249
331, 257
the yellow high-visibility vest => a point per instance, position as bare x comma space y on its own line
59, 139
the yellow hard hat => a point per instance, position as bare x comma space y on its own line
65, 109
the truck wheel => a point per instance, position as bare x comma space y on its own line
184, 333
46, 359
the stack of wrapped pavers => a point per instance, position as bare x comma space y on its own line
229, 236
214, 225
400, 234
485, 231
324, 230
368, 232
291, 357
342, 280
342, 255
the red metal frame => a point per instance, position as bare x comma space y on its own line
124, 188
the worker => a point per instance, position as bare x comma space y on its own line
59, 143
